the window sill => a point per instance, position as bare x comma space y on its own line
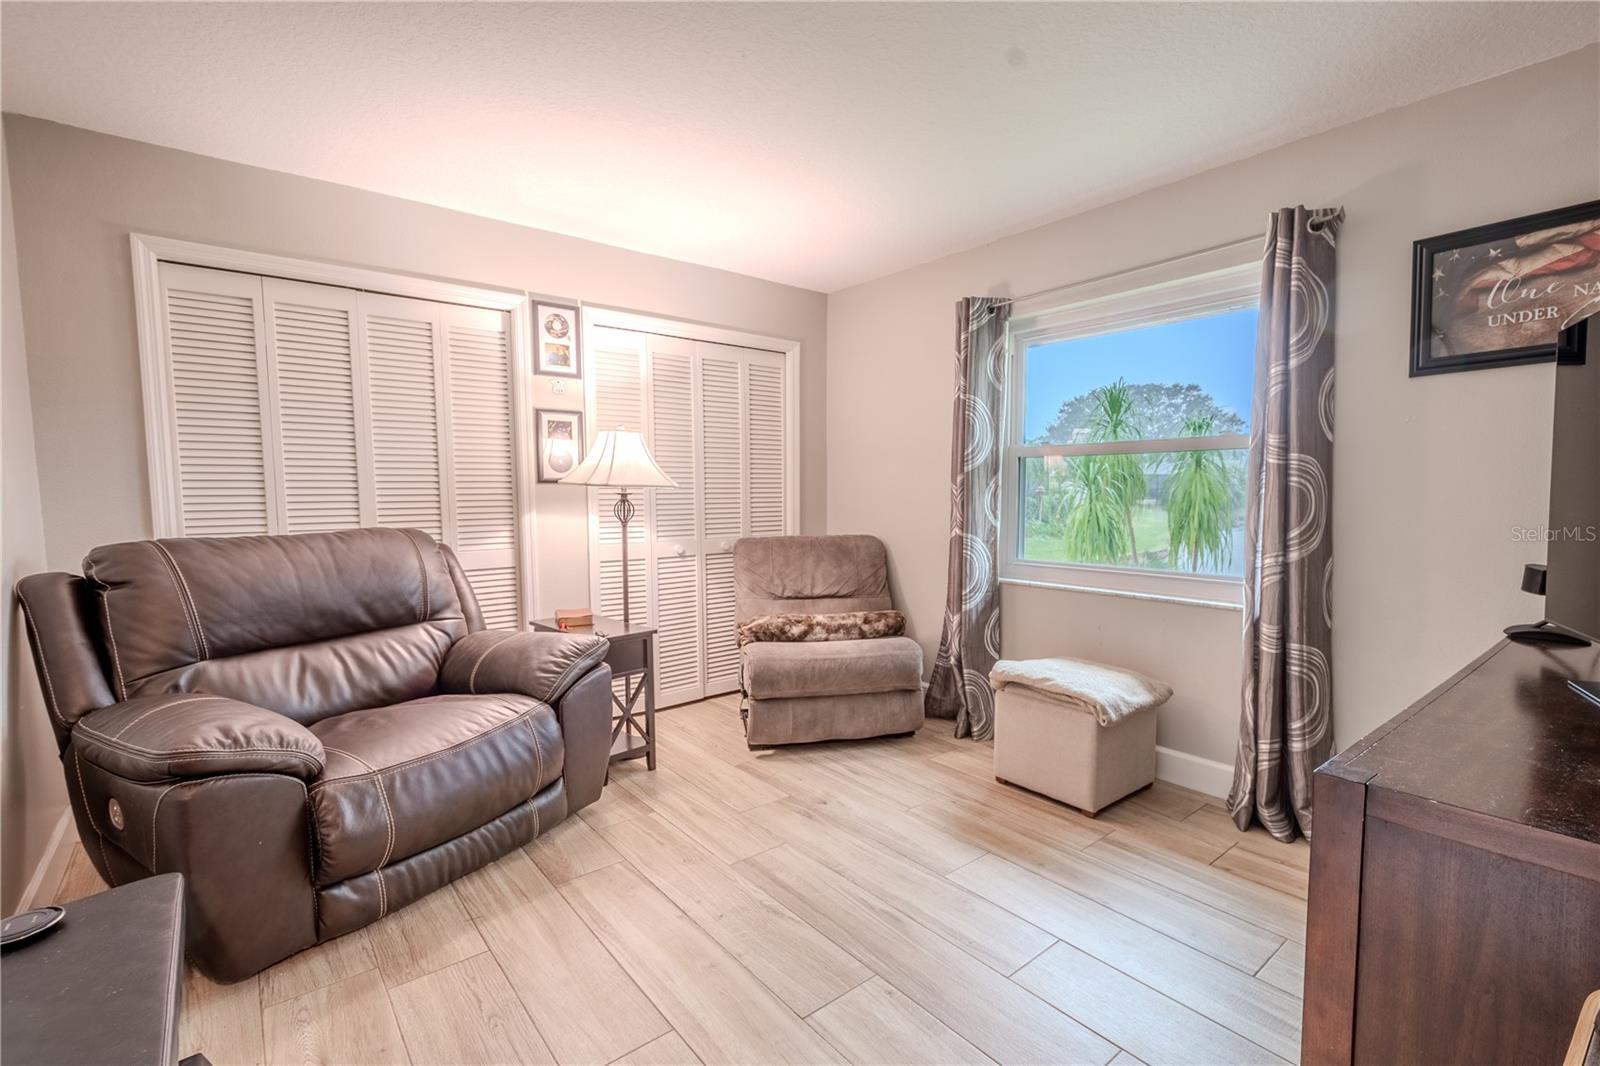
1154, 597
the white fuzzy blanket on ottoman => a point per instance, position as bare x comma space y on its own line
1108, 693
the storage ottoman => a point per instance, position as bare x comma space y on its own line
1048, 745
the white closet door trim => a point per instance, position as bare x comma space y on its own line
148, 252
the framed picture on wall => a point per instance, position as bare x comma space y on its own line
1502, 294
560, 435
557, 353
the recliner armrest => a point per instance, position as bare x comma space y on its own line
187, 734
537, 664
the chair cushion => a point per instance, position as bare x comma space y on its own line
831, 668
404, 778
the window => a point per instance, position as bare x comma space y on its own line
1129, 424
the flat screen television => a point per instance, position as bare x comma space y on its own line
1571, 576
1572, 581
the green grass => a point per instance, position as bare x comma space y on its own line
1149, 529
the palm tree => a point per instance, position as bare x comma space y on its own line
1097, 530
1104, 489
1200, 503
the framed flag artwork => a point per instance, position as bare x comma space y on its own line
1501, 294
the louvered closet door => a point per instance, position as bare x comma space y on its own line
482, 511
617, 366
297, 408
723, 485
405, 396
215, 336
716, 419
675, 545
312, 394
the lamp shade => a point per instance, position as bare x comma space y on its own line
620, 458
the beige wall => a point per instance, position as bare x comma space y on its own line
1429, 474
80, 194
32, 792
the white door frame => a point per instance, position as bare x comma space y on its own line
148, 252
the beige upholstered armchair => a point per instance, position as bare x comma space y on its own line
822, 689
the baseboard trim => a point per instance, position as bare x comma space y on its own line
52, 864
1192, 771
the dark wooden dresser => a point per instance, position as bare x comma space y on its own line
1454, 910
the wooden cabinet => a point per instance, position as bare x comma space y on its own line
1454, 911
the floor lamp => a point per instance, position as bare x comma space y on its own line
620, 459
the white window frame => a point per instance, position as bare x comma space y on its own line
148, 252
1219, 280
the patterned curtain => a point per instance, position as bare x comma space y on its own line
1285, 728
970, 643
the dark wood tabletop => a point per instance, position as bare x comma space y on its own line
104, 985
1505, 738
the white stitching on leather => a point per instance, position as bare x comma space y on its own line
44, 664
351, 756
310, 836
137, 752
422, 565
111, 635
311, 862
183, 601
88, 811
586, 660
538, 749
83, 795
188, 596
159, 706
153, 815
383, 795
472, 678
383, 890
451, 750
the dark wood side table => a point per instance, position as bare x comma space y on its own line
103, 986
633, 735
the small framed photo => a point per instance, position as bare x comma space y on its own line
557, 351
560, 443
1502, 294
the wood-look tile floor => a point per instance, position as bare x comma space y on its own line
869, 902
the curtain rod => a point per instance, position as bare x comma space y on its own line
1242, 241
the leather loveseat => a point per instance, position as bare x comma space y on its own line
314, 730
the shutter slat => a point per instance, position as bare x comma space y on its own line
618, 403
484, 469
764, 419
316, 395
403, 387
722, 640
496, 590
215, 347
678, 623
672, 422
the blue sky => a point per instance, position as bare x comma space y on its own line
1176, 353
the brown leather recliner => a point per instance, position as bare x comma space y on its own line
314, 730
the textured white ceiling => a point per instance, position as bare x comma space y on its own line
815, 144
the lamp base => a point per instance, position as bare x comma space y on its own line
623, 511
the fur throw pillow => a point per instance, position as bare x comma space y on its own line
851, 625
